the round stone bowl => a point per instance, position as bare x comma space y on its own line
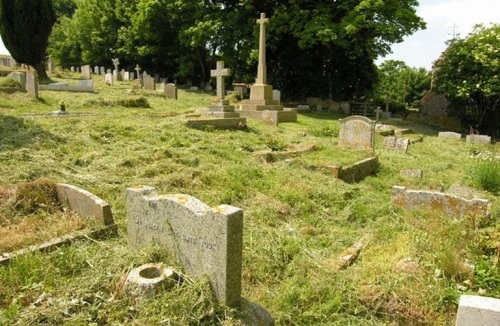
146, 280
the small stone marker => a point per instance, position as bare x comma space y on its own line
478, 311
108, 79
449, 134
220, 73
170, 91
208, 241
277, 95
357, 132
411, 174
398, 143
86, 72
378, 111
32, 84
478, 139
149, 83
193, 88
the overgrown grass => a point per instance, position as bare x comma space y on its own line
297, 217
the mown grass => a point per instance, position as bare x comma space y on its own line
296, 216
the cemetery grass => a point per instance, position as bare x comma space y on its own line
298, 219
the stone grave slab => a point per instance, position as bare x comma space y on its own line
32, 84
449, 134
149, 83
170, 91
478, 139
208, 241
397, 143
86, 72
411, 174
357, 132
475, 310
452, 206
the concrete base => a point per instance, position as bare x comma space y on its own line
272, 117
218, 123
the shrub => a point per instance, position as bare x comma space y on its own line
9, 82
134, 102
486, 174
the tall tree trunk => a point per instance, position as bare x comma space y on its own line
42, 74
203, 63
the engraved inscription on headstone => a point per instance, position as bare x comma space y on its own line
208, 241
357, 132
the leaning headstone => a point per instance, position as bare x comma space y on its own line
277, 95
397, 143
149, 83
86, 72
478, 139
208, 241
170, 91
449, 134
478, 311
357, 132
32, 84
108, 79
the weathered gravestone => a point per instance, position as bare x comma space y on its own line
170, 91
116, 73
126, 75
149, 83
357, 132
449, 134
96, 70
32, 84
86, 72
478, 311
20, 77
478, 139
88, 83
208, 241
108, 79
72, 69
102, 71
397, 143
277, 95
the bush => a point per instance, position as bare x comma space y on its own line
486, 174
9, 82
134, 102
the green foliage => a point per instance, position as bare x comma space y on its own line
9, 82
468, 73
323, 49
401, 84
25, 27
486, 174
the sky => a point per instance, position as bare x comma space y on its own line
443, 18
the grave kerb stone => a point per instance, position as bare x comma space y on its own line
478, 311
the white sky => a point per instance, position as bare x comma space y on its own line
425, 46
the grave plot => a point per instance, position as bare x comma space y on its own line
42, 214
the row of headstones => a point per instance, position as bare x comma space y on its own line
359, 132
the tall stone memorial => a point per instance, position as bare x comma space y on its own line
207, 241
261, 104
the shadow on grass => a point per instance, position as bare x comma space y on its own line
323, 115
18, 133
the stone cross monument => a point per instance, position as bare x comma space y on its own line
116, 62
138, 69
261, 69
220, 73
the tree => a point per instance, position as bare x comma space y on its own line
401, 84
468, 74
25, 27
